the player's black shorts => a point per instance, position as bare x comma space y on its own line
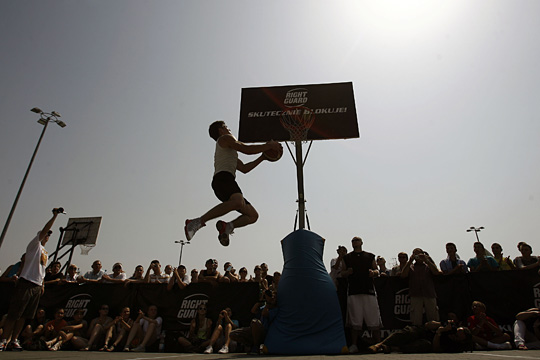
224, 185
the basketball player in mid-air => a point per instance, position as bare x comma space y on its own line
226, 162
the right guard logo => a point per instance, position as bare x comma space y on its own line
536, 294
402, 305
189, 306
77, 302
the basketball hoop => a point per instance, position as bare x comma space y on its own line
297, 121
85, 248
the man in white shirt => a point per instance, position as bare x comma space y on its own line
25, 299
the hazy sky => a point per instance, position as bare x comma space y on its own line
446, 95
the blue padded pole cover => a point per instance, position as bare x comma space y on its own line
308, 318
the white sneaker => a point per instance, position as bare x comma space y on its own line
209, 349
353, 349
506, 346
224, 230
224, 350
191, 227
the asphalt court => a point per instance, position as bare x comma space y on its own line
477, 355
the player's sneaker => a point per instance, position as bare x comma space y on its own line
225, 229
15, 346
209, 349
192, 226
224, 350
3, 345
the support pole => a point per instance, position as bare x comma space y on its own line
300, 178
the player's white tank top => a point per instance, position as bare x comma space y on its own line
225, 159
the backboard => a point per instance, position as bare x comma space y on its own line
81, 231
331, 107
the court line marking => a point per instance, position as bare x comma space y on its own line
506, 356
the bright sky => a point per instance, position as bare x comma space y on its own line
446, 95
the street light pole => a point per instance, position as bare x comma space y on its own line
44, 120
182, 243
476, 231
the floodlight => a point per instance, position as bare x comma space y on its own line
42, 121
36, 110
61, 123
56, 114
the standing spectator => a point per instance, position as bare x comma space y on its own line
482, 262
275, 284
421, 287
54, 276
194, 276
72, 275
453, 264
263, 284
230, 272
98, 328
336, 266
504, 262
265, 275
13, 271
402, 258
362, 300
157, 276
381, 263
25, 299
243, 275
200, 330
169, 270
486, 333
137, 274
118, 275
526, 261
527, 330
94, 275
146, 328
179, 277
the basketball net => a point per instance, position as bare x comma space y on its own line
85, 248
297, 121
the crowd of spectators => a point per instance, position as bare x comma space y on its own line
350, 270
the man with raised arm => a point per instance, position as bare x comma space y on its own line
25, 298
226, 162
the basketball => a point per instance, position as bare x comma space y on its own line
274, 155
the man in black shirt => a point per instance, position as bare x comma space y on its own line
362, 304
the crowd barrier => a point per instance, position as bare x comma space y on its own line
505, 293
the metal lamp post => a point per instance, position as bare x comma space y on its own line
44, 119
476, 231
182, 243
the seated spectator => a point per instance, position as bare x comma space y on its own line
118, 275
402, 258
504, 262
481, 262
210, 274
527, 330
94, 275
194, 276
265, 275
71, 335
453, 264
421, 287
220, 336
137, 274
381, 264
54, 276
13, 271
146, 328
230, 272
526, 261
179, 277
200, 329
98, 329
72, 275
486, 333
53, 327
263, 284
243, 275
35, 328
337, 265
119, 331
156, 277
432, 337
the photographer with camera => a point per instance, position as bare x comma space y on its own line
29, 288
421, 286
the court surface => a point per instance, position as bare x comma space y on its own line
477, 355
